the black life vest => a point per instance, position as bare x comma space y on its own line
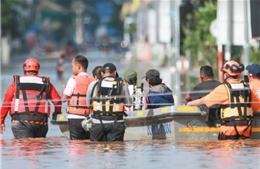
108, 99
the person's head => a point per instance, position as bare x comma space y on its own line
109, 69
97, 72
152, 77
62, 56
31, 66
79, 64
130, 77
206, 73
253, 71
232, 69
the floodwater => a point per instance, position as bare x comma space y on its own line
56, 151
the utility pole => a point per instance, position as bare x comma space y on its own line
229, 30
246, 36
176, 46
79, 23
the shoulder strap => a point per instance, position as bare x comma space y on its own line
119, 83
45, 87
17, 86
93, 89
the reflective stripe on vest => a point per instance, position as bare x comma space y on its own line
31, 79
108, 96
116, 107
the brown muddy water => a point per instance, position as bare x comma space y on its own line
56, 151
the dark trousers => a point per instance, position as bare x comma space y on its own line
28, 130
108, 132
76, 130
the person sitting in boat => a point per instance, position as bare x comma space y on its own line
159, 95
234, 98
207, 84
75, 94
202, 89
27, 100
108, 96
130, 78
254, 83
96, 72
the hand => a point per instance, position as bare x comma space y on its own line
54, 116
2, 128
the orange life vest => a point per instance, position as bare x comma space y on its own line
30, 101
77, 102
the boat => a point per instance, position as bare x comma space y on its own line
176, 123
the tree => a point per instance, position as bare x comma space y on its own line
199, 41
9, 15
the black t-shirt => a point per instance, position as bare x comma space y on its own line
202, 89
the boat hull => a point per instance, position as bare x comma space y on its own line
168, 123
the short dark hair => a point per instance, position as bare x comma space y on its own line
63, 56
109, 67
206, 70
155, 81
97, 71
82, 60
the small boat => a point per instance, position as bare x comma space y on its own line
168, 123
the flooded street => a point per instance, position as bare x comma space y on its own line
56, 151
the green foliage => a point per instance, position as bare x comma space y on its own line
9, 16
255, 55
199, 41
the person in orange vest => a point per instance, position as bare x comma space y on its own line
27, 100
234, 98
75, 93
254, 83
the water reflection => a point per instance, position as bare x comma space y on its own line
225, 154
60, 152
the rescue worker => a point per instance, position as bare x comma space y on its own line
136, 92
234, 98
75, 94
159, 95
108, 97
254, 83
27, 100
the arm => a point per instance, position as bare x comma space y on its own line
197, 102
6, 106
67, 92
218, 96
7, 103
55, 99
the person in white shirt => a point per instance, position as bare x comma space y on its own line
75, 93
